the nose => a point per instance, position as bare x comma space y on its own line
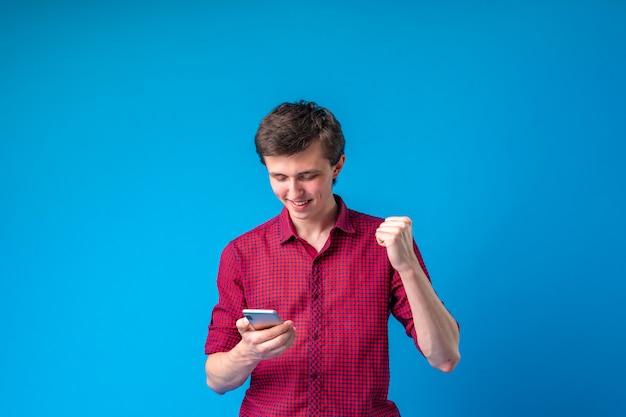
295, 189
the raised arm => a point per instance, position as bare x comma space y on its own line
437, 331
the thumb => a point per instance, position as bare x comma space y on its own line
243, 325
380, 238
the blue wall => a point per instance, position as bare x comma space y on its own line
127, 163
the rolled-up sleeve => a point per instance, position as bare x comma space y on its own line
400, 307
223, 334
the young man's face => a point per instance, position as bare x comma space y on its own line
303, 182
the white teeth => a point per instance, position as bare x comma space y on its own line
300, 203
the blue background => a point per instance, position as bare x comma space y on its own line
127, 164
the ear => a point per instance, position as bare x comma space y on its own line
338, 166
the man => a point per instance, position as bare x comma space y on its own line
334, 273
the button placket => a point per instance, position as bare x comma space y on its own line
315, 349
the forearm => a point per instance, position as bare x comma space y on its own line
226, 371
437, 331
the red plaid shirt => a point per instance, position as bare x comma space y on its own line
339, 299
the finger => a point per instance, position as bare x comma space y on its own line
282, 338
389, 230
243, 325
380, 237
277, 345
394, 225
385, 234
286, 339
261, 336
397, 221
395, 228
244, 328
280, 329
403, 219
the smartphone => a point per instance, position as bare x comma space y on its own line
262, 319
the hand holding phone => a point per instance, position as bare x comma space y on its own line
264, 335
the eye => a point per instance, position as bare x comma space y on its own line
308, 177
279, 178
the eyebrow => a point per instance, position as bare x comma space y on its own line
308, 172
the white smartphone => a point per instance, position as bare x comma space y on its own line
262, 319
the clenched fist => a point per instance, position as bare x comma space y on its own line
396, 234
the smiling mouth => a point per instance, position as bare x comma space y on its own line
300, 203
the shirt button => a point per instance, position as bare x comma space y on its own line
315, 296
314, 376
316, 336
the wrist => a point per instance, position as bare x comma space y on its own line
410, 268
241, 356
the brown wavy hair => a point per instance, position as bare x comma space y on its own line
293, 127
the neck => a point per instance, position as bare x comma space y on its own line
319, 228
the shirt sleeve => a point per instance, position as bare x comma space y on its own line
400, 307
223, 334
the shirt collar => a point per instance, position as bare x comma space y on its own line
344, 221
